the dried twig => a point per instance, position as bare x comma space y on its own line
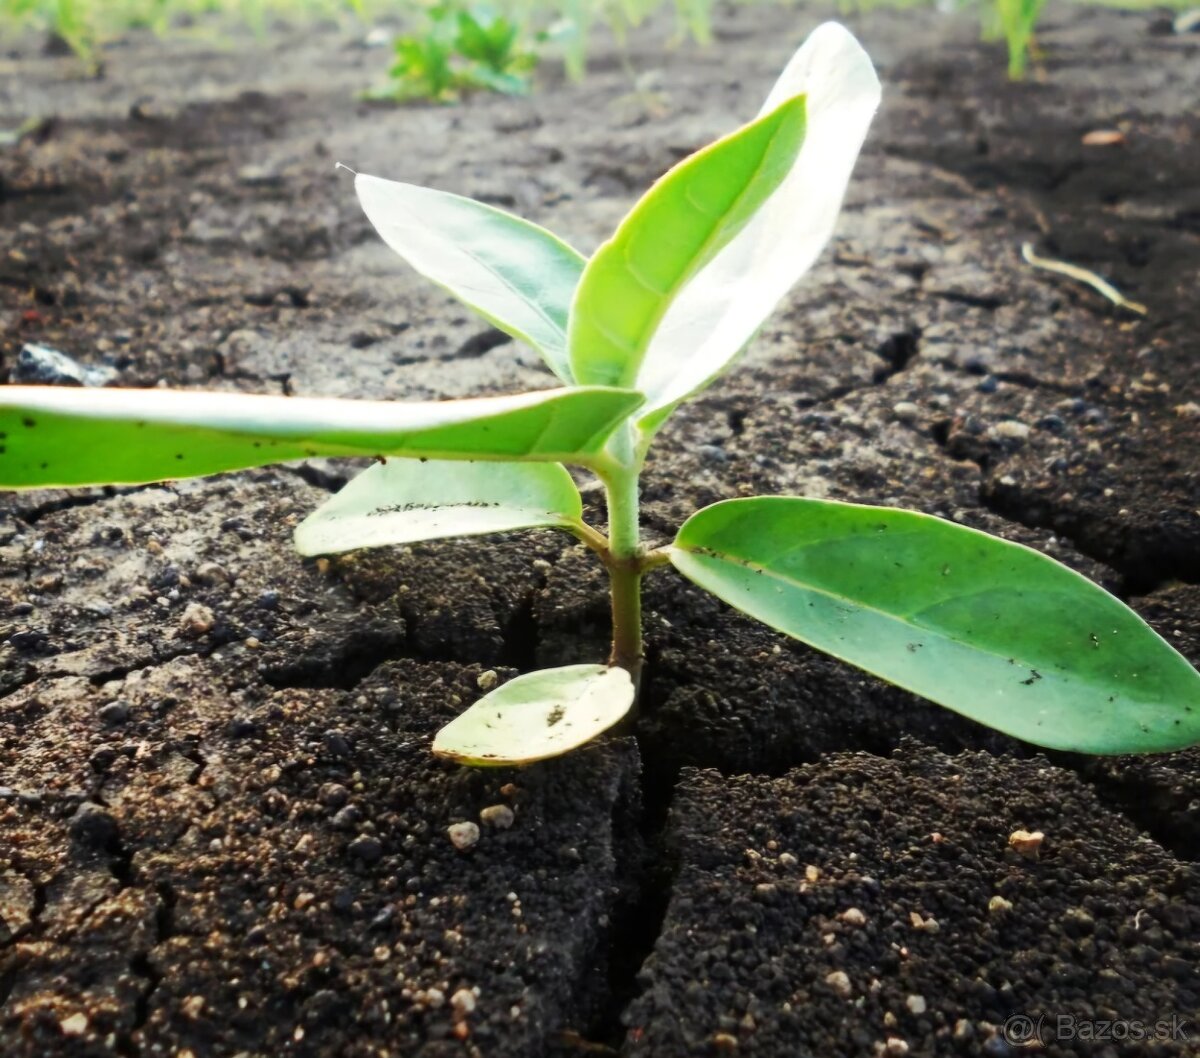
1083, 276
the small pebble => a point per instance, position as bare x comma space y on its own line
853, 917
463, 1001
333, 795
75, 1025
114, 712
839, 981
1011, 430
713, 454
487, 680
895, 1047
906, 411
1103, 138
366, 848
916, 1005
41, 365
211, 574
1027, 843
241, 727
998, 904
499, 816
463, 835
93, 826
197, 620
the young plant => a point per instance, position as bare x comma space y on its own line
991, 629
1017, 20
459, 49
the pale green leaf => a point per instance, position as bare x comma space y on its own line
723, 306
677, 227
538, 715
993, 630
406, 500
52, 435
516, 275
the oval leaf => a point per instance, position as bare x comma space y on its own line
516, 275
722, 308
52, 435
538, 715
405, 500
991, 629
679, 225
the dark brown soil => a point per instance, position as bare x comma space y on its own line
221, 830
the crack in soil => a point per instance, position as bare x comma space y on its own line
1143, 563
33, 514
141, 966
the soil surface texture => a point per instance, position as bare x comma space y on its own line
222, 832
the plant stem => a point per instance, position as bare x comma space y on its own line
624, 566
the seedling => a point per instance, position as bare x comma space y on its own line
991, 629
460, 49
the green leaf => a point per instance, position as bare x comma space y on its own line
516, 275
722, 307
538, 715
51, 435
678, 226
990, 629
404, 500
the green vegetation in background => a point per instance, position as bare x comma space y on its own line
459, 49
460, 45
84, 25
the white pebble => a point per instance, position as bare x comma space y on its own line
463, 835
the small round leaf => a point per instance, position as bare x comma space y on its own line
538, 715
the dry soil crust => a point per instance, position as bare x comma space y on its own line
222, 832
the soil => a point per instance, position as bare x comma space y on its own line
221, 830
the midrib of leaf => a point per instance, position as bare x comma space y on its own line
639, 345
837, 597
538, 310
